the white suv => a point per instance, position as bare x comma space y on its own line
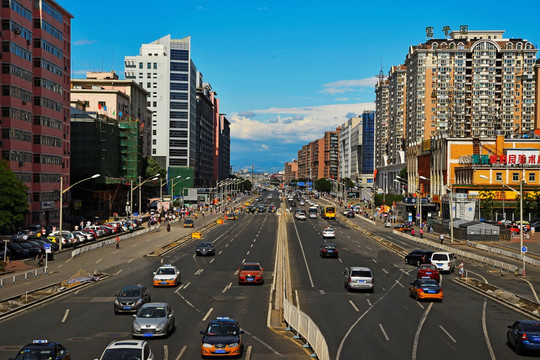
127, 349
444, 260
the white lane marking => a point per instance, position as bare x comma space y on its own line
532, 288
322, 292
130, 260
207, 314
348, 237
64, 318
227, 287
368, 302
114, 252
181, 352
165, 352
251, 245
248, 353
118, 272
375, 261
236, 272
134, 245
59, 266
97, 262
354, 306
419, 329
143, 252
367, 247
384, 332
483, 278
304, 255
422, 306
254, 240
386, 272
219, 253
448, 334
247, 253
211, 261
226, 245
77, 292
399, 283
68, 260
484, 329
243, 260
340, 260
185, 285
198, 272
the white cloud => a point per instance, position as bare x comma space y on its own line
315, 121
84, 42
265, 147
342, 86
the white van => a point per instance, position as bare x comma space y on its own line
444, 260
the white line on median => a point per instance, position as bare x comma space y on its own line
165, 352
65, 316
248, 353
447, 334
418, 330
354, 306
532, 288
484, 328
384, 332
181, 352
97, 262
207, 314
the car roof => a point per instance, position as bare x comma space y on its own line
251, 263
222, 320
131, 344
428, 281
360, 268
155, 304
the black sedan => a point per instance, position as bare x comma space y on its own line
205, 248
418, 257
17, 251
43, 349
523, 336
131, 298
348, 213
328, 250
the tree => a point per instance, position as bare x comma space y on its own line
323, 185
403, 173
153, 168
13, 197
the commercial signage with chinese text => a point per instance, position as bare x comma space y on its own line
511, 158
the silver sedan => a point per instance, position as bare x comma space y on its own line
153, 319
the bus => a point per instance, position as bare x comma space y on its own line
312, 212
328, 212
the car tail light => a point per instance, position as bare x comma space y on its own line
373, 280
524, 337
349, 279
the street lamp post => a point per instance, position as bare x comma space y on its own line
62, 191
135, 188
520, 193
427, 179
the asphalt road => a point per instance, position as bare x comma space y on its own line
85, 323
389, 324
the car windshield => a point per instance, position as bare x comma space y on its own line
426, 283
329, 246
151, 312
440, 257
360, 273
165, 271
221, 330
122, 354
251, 267
530, 327
205, 244
35, 354
428, 267
130, 292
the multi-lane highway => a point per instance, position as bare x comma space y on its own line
388, 324
385, 324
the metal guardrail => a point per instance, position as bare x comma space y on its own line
301, 323
503, 252
22, 276
465, 254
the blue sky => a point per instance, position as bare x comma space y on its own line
285, 71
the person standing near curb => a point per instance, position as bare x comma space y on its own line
461, 268
441, 237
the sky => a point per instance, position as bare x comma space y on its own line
285, 71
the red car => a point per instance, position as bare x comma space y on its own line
250, 273
428, 271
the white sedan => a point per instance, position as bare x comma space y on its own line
328, 233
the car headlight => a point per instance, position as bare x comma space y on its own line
206, 345
136, 326
138, 302
233, 345
156, 279
116, 302
160, 326
259, 275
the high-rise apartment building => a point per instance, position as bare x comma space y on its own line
350, 142
223, 150
165, 69
204, 161
382, 108
291, 171
396, 114
367, 157
470, 85
36, 64
320, 158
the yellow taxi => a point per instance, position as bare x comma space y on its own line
189, 223
166, 275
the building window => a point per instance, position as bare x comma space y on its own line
154, 132
153, 151
148, 65
498, 176
515, 176
532, 177
140, 65
154, 141
155, 66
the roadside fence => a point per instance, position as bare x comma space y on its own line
22, 276
300, 323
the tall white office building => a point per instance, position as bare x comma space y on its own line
165, 69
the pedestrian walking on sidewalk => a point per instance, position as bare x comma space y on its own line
412, 232
441, 237
421, 233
